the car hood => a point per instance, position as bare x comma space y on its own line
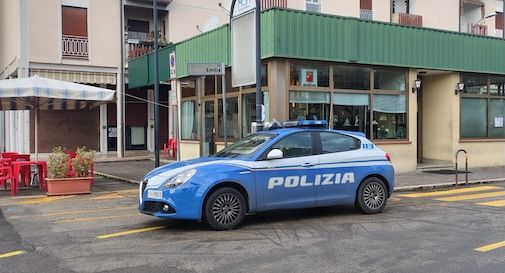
159, 175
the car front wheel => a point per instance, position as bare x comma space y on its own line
372, 196
225, 209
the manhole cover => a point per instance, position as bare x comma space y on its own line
448, 171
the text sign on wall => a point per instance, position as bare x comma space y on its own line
205, 69
243, 6
172, 64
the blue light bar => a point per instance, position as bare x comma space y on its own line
313, 123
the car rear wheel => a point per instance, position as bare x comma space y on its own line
225, 209
372, 196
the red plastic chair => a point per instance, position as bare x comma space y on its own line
6, 174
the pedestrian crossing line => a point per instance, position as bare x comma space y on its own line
128, 232
448, 192
497, 203
490, 247
471, 196
11, 254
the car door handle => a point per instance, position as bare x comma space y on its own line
308, 164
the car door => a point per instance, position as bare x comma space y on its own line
286, 182
339, 168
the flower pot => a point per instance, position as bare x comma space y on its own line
67, 186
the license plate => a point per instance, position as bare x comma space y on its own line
154, 194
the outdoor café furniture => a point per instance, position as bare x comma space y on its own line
6, 174
18, 166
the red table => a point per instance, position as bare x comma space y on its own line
18, 166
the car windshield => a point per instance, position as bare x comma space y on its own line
246, 146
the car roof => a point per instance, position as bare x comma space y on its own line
289, 130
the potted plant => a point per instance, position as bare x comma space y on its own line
69, 175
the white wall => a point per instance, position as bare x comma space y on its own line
9, 36
437, 14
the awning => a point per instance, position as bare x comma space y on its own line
76, 76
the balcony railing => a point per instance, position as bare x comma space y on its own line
366, 14
137, 50
266, 4
408, 19
74, 46
313, 7
477, 29
139, 36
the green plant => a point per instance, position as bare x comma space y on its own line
57, 164
83, 161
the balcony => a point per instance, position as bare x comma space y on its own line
366, 14
477, 29
408, 19
142, 43
137, 50
266, 4
74, 47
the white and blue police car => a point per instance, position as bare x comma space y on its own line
297, 165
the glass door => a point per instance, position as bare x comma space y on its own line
208, 138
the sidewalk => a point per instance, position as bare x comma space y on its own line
133, 171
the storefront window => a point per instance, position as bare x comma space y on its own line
349, 77
389, 117
210, 85
309, 75
473, 118
386, 79
249, 111
497, 86
495, 119
351, 112
188, 89
232, 128
189, 116
304, 105
475, 84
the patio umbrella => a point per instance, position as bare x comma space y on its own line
37, 93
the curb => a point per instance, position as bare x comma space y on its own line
396, 189
121, 179
446, 185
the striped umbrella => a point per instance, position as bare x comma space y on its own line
36, 93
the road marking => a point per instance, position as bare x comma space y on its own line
490, 247
41, 200
88, 219
498, 203
13, 253
128, 232
70, 212
117, 194
449, 192
471, 196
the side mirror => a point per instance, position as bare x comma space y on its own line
275, 154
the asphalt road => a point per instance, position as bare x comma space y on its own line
447, 231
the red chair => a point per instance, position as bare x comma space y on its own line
6, 174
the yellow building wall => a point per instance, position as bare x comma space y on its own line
438, 103
189, 149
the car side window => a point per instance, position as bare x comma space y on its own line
334, 143
296, 145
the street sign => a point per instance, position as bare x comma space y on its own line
243, 6
172, 63
243, 42
205, 69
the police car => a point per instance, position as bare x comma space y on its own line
296, 165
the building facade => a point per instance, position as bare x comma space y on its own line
358, 68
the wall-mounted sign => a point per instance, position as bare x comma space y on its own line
173, 92
308, 77
172, 64
204, 69
112, 132
243, 6
498, 122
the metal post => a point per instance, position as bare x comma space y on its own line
259, 95
120, 89
223, 90
156, 89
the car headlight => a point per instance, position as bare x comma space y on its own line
179, 178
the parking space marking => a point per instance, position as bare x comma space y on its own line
497, 203
13, 253
128, 232
117, 194
71, 212
471, 196
490, 247
90, 219
41, 200
449, 192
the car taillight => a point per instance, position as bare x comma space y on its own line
388, 157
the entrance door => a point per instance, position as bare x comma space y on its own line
420, 124
208, 129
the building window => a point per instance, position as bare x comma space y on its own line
189, 117
389, 116
400, 6
365, 9
313, 5
351, 112
388, 79
348, 77
305, 105
74, 38
232, 129
482, 107
249, 111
